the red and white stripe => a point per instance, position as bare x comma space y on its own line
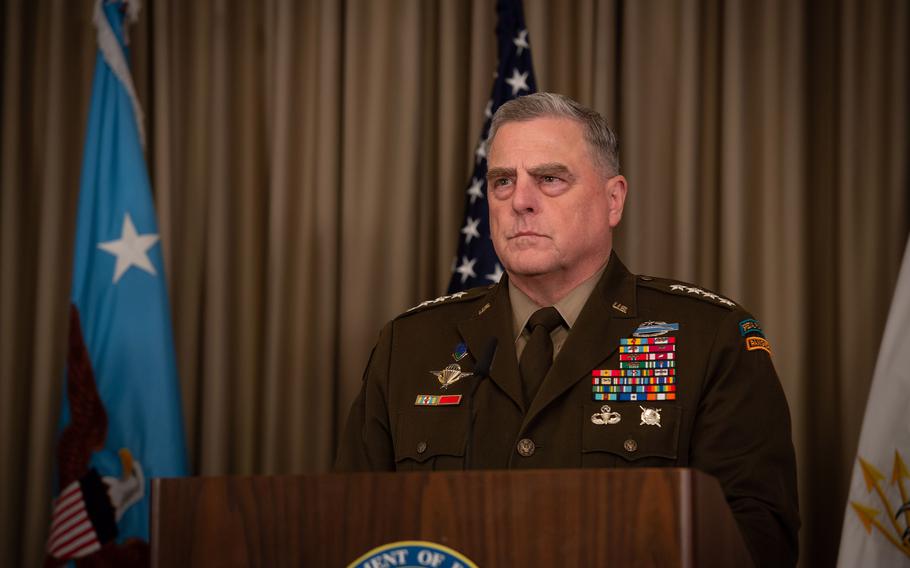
72, 534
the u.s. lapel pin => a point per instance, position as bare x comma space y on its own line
620, 307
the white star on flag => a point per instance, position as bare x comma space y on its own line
488, 110
521, 41
470, 229
496, 276
475, 190
466, 268
518, 81
481, 152
131, 249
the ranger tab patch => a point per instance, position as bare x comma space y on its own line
754, 342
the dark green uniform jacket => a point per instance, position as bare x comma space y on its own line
729, 417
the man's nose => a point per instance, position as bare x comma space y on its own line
525, 197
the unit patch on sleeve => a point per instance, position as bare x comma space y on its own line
754, 342
748, 326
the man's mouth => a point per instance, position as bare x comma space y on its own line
525, 234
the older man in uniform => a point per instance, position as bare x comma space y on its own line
571, 360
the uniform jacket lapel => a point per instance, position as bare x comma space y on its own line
608, 315
494, 319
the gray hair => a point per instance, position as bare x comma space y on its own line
600, 137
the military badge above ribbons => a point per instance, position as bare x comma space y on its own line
453, 373
448, 376
647, 366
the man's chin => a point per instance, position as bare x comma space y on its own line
530, 267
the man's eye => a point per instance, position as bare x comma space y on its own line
500, 182
549, 179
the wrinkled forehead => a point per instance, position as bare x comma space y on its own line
539, 140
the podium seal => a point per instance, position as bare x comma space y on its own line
412, 554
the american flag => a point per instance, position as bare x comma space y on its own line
73, 532
476, 263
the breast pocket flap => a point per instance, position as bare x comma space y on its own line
632, 430
424, 433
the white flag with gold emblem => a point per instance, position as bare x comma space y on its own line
877, 520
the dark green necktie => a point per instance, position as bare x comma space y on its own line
537, 356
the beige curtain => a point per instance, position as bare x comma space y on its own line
309, 161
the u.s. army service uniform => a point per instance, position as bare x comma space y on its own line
726, 414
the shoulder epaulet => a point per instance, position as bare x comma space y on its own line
449, 299
683, 289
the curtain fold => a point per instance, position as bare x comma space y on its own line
309, 162
47, 59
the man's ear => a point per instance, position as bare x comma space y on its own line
616, 188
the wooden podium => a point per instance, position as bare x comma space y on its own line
591, 517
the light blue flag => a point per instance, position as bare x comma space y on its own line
120, 297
